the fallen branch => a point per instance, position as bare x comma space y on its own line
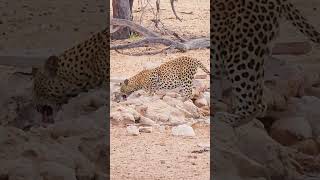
182, 47
183, 12
153, 38
123, 22
143, 53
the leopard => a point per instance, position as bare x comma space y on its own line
78, 69
178, 72
242, 36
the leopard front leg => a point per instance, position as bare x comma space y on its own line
246, 76
153, 84
187, 89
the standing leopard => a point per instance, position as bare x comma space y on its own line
242, 33
80, 68
178, 72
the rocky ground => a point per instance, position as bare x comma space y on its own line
161, 137
75, 146
285, 143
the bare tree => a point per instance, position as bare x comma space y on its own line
122, 9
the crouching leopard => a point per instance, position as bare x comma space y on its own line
80, 68
242, 32
178, 72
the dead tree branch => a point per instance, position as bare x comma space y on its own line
123, 22
153, 38
174, 10
143, 53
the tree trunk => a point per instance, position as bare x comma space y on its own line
122, 9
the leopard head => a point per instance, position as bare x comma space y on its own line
126, 88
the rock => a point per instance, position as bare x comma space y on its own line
137, 94
53, 171
146, 121
191, 109
22, 169
159, 110
306, 107
255, 143
219, 106
133, 130
206, 95
289, 131
141, 109
172, 101
172, 94
307, 146
201, 102
205, 111
176, 117
284, 78
124, 114
125, 118
274, 100
101, 176
183, 130
145, 129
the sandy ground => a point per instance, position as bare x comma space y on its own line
161, 155
158, 155
40, 24
58, 24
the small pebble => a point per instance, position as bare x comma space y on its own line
133, 130
145, 129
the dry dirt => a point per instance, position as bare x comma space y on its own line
161, 155
58, 24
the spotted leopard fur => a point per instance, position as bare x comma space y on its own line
178, 72
242, 36
80, 68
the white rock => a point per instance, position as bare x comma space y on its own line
145, 129
201, 102
206, 95
172, 94
176, 118
159, 110
122, 117
183, 130
146, 121
191, 108
172, 101
133, 130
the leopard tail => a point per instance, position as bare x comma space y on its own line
293, 15
200, 65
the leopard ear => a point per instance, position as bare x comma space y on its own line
51, 65
126, 81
